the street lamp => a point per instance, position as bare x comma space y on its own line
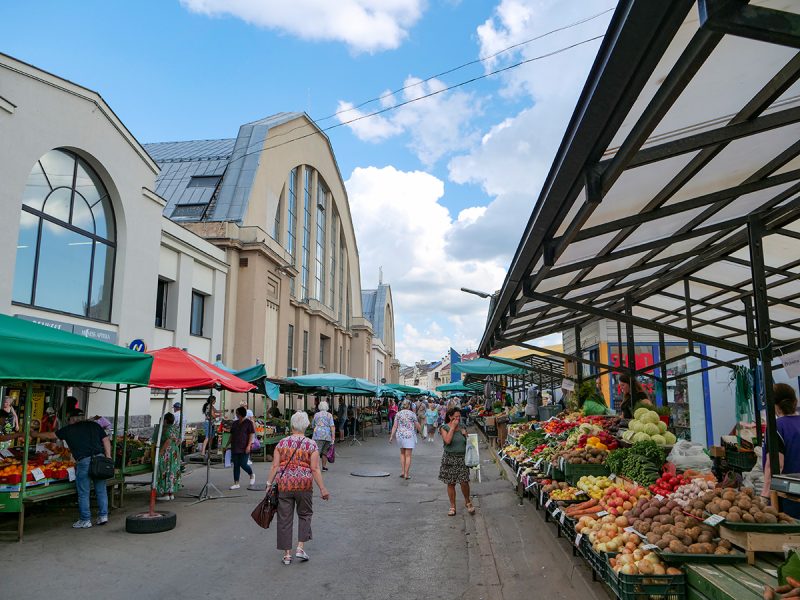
492, 299
477, 293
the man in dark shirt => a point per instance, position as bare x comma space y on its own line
85, 439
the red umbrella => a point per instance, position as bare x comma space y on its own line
174, 368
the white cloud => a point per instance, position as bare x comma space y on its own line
437, 125
398, 216
364, 25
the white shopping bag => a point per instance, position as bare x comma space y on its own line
227, 458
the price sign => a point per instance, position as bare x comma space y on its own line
548, 503
613, 476
533, 483
541, 496
71, 473
38, 474
563, 516
6, 453
556, 512
518, 472
578, 539
602, 513
538, 463
659, 497
650, 547
581, 493
41, 448
714, 520
632, 530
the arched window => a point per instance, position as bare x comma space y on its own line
67, 233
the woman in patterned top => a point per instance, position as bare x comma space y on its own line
295, 468
324, 432
405, 429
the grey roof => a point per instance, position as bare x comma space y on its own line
235, 160
372, 307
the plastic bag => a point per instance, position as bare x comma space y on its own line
471, 457
256, 445
687, 455
331, 454
755, 477
228, 462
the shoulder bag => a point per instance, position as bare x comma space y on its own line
101, 467
265, 511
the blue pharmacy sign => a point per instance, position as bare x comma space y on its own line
138, 346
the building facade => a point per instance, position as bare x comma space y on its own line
81, 229
379, 311
274, 201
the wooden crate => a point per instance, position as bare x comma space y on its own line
752, 542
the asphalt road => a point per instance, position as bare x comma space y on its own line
376, 538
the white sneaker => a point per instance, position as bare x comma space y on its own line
253, 480
101, 520
81, 524
164, 498
235, 486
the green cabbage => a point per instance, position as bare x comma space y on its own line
650, 416
639, 412
641, 437
670, 438
651, 429
662, 427
659, 439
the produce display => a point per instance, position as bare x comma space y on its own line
641, 462
53, 461
589, 455
594, 486
646, 425
600, 440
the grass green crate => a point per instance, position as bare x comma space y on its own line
741, 461
645, 587
575, 472
596, 560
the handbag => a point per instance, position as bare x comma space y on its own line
331, 454
101, 467
265, 510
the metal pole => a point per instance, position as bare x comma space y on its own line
688, 304
125, 442
629, 340
114, 434
751, 341
27, 444
578, 354
662, 350
755, 232
157, 449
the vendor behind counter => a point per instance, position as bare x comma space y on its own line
788, 426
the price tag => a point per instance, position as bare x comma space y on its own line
541, 496
548, 503
563, 516
71, 473
6, 453
632, 530
556, 512
650, 547
533, 483
613, 476
659, 497
581, 493
41, 448
518, 472
538, 463
714, 520
602, 513
578, 539
38, 474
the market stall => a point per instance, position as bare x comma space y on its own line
664, 249
33, 354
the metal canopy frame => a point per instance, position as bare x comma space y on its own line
673, 203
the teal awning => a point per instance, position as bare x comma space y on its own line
334, 380
406, 389
487, 366
459, 386
386, 391
34, 352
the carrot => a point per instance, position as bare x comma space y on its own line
581, 505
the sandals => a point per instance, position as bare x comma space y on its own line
287, 560
470, 508
451, 512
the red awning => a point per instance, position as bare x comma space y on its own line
174, 368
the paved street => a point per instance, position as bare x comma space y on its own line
376, 538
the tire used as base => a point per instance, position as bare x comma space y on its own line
145, 523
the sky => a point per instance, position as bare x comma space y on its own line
440, 187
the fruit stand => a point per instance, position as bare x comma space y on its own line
35, 354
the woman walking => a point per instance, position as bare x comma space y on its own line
169, 465
209, 414
392, 412
431, 418
241, 442
295, 468
454, 470
324, 432
422, 406
405, 429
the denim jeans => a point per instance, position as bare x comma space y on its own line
84, 483
240, 462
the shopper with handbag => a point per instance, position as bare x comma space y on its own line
454, 469
297, 458
86, 439
324, 432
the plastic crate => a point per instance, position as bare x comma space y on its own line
575, 472
645, 587
741, 461
554, 473
567, 529
596, 560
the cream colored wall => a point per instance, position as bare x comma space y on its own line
49, 113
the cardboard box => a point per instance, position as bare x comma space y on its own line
716, 451
490, 421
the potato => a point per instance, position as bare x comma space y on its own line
653, 538
748, 518
726, 544
721, 550
699, 504
734, 517
677, 547
735, 509
769, 518
663, 510
705, 538
697, 549
759, 517
713, 508
729, 495
725, 504
687, 540
662, 543
771, 510
650, 513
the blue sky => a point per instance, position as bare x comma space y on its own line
457, 174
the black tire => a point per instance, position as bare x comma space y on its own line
145, 523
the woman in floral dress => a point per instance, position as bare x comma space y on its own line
405, 429
169, 462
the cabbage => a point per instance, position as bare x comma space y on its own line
640, 437
659, 439
635, 426
670, 438
650, 416
639, 412
651, 429
628, 435
662, 427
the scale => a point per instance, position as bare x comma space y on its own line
788, 483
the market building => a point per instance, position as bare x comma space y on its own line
84, 244
274, 201
379, 311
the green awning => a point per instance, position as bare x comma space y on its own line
257, 375
334, 380
32, 352
385, 391
459, 386
406, 389
487, 366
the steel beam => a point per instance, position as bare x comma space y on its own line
736, 17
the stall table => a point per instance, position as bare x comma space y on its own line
733, 581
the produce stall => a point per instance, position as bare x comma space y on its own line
35, 354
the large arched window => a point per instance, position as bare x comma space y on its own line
67, 233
